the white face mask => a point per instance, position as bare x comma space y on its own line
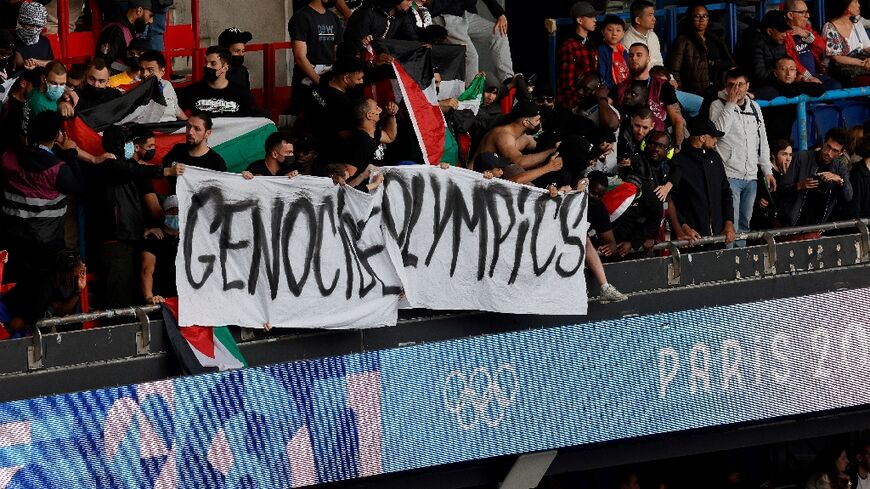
28, 35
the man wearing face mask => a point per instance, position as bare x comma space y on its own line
116, 36
513, 141
214, 94
118, 222
53, 95
234, 40
33, 49
144, 151
157, 278
7, 55
279, 161
95, 89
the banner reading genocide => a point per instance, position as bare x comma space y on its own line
305, 253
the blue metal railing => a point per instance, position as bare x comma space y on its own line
802, 100
670, 16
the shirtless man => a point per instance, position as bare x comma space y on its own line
512, 139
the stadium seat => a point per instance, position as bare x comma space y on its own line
853, 112
826, 117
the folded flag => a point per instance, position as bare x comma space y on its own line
472, 97
201, 349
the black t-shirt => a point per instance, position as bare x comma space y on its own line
329, 112
320, 33
112, 44
259, 168
209, 161
219, 102
363, 150
164, 251
599, 218
40, 50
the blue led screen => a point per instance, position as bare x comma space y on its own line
298, 424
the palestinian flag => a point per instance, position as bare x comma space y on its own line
426, 117
141, 105
472, 97
201, 349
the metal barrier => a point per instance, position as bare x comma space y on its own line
670, 14
143, 336
769, 236
801, 102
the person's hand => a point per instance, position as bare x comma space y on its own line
71, 96
376, 181
771, 182
450, 103
553, 189
828, 176
367, 40
556, 162
247, 175
444, 166
156, 232
800, 31
812, 79
30, 64
623, 249
383, 59
662, 191
392, 109
763, 203
648, 245
293, 174
176, 170
340, 180
103, 157
674, 83
730, 235
582, 184
66, 109
866, 63
688, 234
267, 327
501, 26
602, 91
808, 184
607, 249
487, 175
605, 148
82, 279
157, 299
624, 162
66, 143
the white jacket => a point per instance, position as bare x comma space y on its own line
744, 147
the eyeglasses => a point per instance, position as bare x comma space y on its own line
800, 12
701, 16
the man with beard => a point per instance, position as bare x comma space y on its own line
514, 139
95, 89
279, 160
116, 36
329, 113
632, 133
637, 229
144, 151
661, 97
214, 94
315, 31
234, 39
195, 150
816, 181
701, 205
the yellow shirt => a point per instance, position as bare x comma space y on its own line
120, 79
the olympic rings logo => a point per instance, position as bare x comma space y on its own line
481, 396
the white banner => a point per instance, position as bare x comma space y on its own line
305, 253
293, 253
460, 241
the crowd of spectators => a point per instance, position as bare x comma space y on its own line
670, 143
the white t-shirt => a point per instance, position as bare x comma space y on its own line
172, 110
863, 483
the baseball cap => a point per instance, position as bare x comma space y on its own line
701, 126
234, 35
146, 4
583, 9
488, 161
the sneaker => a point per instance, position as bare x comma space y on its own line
610, 294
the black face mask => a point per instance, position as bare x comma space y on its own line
237, 61
149, 155
533, 129
210, 75
139, 25
289, 161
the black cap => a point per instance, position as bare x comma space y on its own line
146, 4
700, 126
234, 35
775, 19
583, 9
525, 108
488, 161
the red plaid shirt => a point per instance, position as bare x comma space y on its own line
577, 56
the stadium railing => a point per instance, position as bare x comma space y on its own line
801, 102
